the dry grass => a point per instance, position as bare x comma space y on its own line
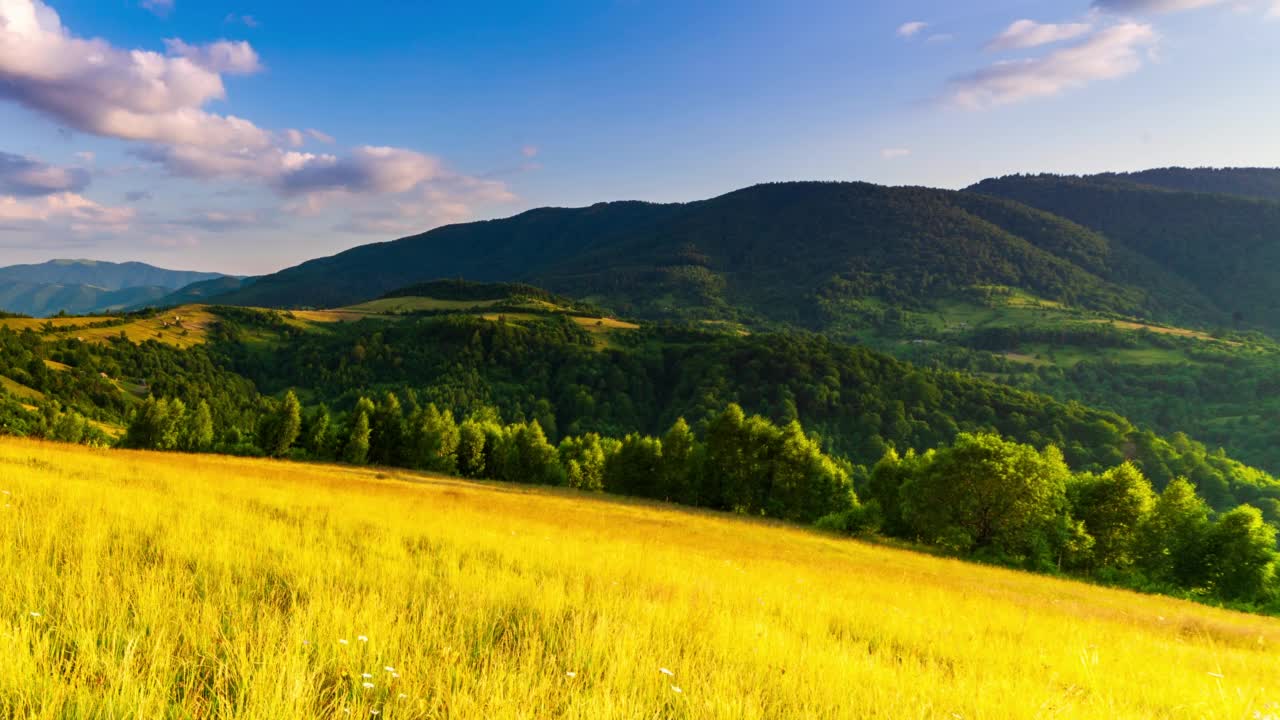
181, 327
136, 585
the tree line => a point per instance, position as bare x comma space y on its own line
990, 498
738, 463
981, 496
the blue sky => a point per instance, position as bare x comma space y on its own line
248, 136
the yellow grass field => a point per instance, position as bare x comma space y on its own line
146, 585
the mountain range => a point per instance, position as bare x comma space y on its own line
88, 286
1139, 245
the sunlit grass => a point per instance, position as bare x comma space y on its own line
137, 585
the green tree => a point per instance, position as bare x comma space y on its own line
805, 483
584, 460
1112, 506
1171, 540
433, 439
283, 427
636, 468
984, 493
386, 432
471, 448
356, 449
681, 453
529, 458
197, 429
1241, 553
155, 425
316, 438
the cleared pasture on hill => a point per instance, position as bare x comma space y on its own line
181, 327
153, 585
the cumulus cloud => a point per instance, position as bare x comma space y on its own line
96, 88
1110, 53
911, 29
894, 153
1023, 34
223, 56
25, 177
158, 101
366, 170
444, 201
75, 211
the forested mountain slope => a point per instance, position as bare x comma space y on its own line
1226, 248
769, 251
1261, 183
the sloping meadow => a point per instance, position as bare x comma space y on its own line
177, 586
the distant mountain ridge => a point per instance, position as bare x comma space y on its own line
1260, 183
791, 252
777, 251
105, 275
88, 286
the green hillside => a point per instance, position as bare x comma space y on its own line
1260, 183
768, 253
1225, 250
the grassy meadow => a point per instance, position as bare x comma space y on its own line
150, 585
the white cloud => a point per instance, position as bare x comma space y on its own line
894, 153
223, 56
529, 151
366, 170
158, 7
1125, 7
1024, 34
75, 211
158, 101
911, 29
225, 220
1110, 53
447, 200
96, 88
23, 176
248, 21
1153, 6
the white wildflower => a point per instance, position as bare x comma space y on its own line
366, 675
666, 672
389, 669
676, 689
571, 674
363, 638
367, 685
342, 641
